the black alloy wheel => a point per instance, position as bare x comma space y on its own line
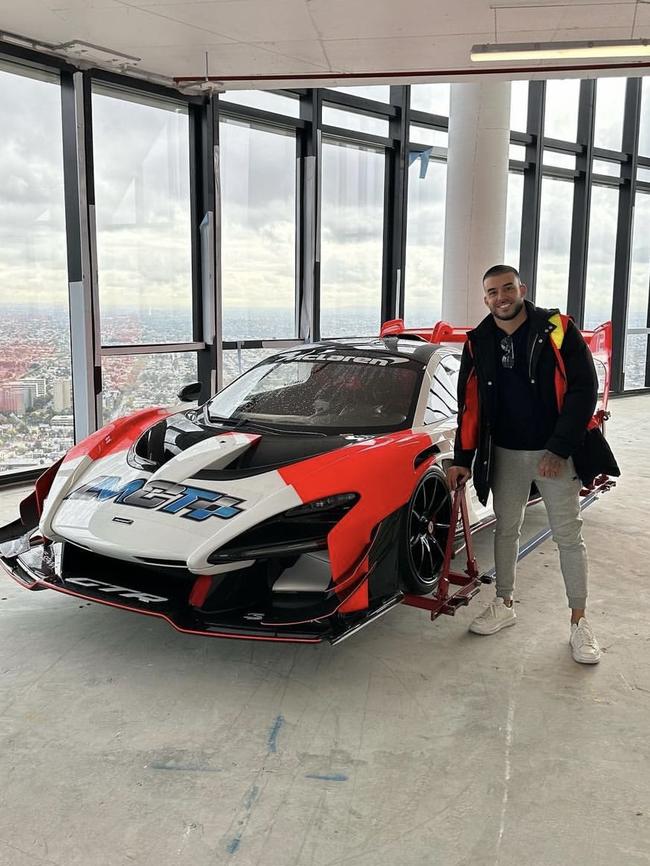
426, 526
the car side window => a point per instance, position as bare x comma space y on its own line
442, 402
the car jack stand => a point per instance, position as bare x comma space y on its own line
469, 583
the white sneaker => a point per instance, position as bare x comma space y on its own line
497, 615
584, 646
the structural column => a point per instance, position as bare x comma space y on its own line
477, 186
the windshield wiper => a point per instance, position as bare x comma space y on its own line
236, 423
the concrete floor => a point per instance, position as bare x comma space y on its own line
412, 743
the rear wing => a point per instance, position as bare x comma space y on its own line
598, 340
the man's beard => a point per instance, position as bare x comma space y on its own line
514, 311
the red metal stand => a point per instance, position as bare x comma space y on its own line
469, 583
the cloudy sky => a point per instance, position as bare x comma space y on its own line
143, 219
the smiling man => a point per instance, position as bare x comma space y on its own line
527, 391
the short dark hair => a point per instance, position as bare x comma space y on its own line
495, 270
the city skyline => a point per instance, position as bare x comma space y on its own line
43, 432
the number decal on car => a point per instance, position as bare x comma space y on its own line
192, 503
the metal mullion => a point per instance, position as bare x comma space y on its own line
363, 104
351, 136
196, 180
151, 349
81, 251
529, 242
298, 232
206, 156
609, 155
558, 145
395, 209
606, 180
233, 111
559, 173
581, 202
623, 258
309, 156
229, 345
520, 138
423, 118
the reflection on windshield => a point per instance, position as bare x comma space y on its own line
356, 393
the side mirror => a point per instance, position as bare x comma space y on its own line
189, 393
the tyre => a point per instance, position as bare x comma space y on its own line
424, 533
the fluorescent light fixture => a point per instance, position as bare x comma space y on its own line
560, 50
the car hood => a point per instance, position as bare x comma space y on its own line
173, 491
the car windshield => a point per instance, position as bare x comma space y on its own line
330, 390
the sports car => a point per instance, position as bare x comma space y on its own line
299, 503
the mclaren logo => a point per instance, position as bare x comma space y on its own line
193, 503
122, 591
332, 355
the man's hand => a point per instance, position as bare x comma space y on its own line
552, 466
457, 476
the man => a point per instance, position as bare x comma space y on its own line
527, 390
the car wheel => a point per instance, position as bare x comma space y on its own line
424, 536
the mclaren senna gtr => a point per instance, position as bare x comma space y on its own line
300, 503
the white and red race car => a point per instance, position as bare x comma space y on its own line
297, 504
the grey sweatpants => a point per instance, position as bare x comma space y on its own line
514, 471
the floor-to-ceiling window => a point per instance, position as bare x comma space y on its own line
258, 237
351, 242
427, 188
142, 195
36, 412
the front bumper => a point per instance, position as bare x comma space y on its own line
238, 604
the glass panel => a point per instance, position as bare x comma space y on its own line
379, 92
142, 192
425, 237
610, 105
644, 132
351, 120
432, 98
258, 234
602, 248
264, 100
519, 105
518, 152
560, 160
636, 346
561, 115
426, 135
554, 243
643, 174
513, 218
351, 239
323, 389
133, 382
603, 166
636, 353
35, 373
237, 361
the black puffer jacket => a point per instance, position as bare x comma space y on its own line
478, 402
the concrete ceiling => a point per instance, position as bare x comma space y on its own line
276, 43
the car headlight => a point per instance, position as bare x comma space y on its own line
299, 530
339, 500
